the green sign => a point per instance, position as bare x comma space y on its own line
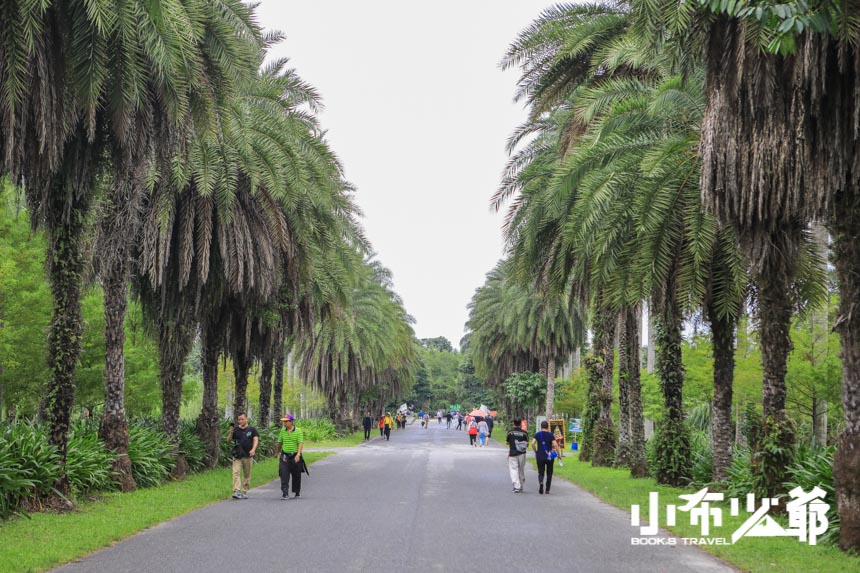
454, 408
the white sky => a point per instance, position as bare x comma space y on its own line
419, 112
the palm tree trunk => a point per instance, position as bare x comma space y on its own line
114, 427
637, 460
604, 438
846, 464
174, 344
241, 367
723, 336
278, 383
550, 386
208, 426
774, 316
67, 221
622, 451
265, 389
672, 440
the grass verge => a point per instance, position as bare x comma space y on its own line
45, 540
343, 442
783, 554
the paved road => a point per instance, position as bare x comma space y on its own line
424, 501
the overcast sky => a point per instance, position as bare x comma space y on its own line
419, 112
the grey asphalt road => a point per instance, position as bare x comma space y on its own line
423, 501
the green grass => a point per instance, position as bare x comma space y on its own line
46, 540
782, 554
343, 442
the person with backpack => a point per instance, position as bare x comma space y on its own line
245, 439
473, 432
546, 451
518, 443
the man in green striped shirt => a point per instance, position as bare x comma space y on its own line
290, 442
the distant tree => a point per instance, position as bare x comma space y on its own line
527, 390
439, 343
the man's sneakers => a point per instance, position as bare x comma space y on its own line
540, 490
237, 494
297, 496
284, 497
518, 490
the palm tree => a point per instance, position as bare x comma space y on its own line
809, 77
90, 89
760, 60
513, 326
262, 198
364, 346
621, 210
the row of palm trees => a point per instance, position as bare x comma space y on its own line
678, 155
159, 149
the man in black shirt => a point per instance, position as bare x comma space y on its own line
367, 424
518, 443
490, 421
245, 439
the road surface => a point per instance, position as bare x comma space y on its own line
423, 501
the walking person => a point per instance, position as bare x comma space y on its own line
544, 445
439, 417
518, 443
245, 439
490, 421
388, 422
367, 424
473, 432
459, 421
448, 420
380, 423
483, 430
290, 443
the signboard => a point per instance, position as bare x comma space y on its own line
454, 408
524, 425
575, 426
556, 427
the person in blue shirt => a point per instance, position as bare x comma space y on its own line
543, 444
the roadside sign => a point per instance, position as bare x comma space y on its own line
556, 427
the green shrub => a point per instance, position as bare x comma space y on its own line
192, 446
317, 429
15, 481
88, 463
37, 457
702, 469
814, 467
741, 480
149, 451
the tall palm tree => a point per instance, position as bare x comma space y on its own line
90, 88
514, 325
780, 90
811, 77
365, 345
262, 196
